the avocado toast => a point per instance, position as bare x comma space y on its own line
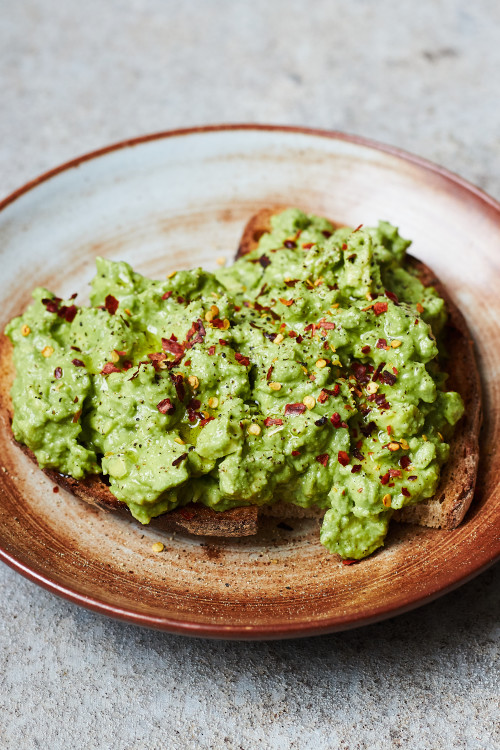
324, 439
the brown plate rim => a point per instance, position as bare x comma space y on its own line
308, 627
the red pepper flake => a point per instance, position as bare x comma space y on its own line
343, 458
223, 342
111, 304
393, 297
51, 305
299, 339
172, 346
156, 358
336, 420
323, 459
349, 562
178, 382
77, 416
187, 514
264, 261
387, 377
357, 228
326, 234
384, 478
378, 371
366, 349
406, 492
290, 244
206, 421
55, 489
357, 453
187, 363
295, 453
307, 245
180, 300
380, 307
292, 334
404, 462
167, 295
126, 364
270, 421
108, 368
178, 460
77, 363
356, 468
395, 472
68, 313
344, 246
211, 350
369, 428
58, 373
327, 325
166, 406
269, 373
382, 344
286, 302
292, 410
197, 333
291, 283
241, 359
360, 372
412, 478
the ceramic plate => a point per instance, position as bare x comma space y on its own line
180, 199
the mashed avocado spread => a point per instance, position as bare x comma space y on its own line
306, 373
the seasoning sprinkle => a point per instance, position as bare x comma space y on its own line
157, 547
25, 330
321, 363
47, 351
254, 429
275, 386
309, 402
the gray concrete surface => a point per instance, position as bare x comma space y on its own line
423, 76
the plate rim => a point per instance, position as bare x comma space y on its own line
309, 626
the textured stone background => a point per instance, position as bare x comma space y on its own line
423, 76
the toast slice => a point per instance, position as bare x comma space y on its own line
445, 510
458, 479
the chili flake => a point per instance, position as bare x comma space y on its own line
380, 307
111, 304
166, 406
323, 459
241, 359
292, 410
179, 459
343, 458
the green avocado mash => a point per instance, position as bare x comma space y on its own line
307, 373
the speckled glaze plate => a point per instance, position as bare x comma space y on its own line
180, 199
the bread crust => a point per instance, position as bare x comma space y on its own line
445, 510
